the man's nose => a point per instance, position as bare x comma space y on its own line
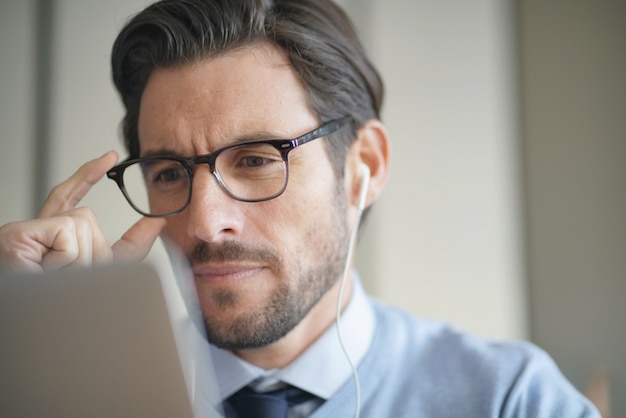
213, 215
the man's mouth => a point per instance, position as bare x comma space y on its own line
228, 272
230, 261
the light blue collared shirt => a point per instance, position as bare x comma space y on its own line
320, 370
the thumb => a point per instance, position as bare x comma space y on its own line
136, 243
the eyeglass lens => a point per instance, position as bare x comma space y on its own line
250, 172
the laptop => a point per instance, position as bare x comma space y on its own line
89, 343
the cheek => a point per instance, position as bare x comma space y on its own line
307, 211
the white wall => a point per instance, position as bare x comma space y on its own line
447, 235
17, 106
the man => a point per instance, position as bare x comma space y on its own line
248, 124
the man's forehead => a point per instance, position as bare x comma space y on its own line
250, 92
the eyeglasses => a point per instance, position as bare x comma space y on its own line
255, 171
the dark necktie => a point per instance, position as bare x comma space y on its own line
249, 404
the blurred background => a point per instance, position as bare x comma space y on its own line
505, 211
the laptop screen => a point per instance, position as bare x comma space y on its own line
90, 343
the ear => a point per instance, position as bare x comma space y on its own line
372, 149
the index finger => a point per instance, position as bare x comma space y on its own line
66, 195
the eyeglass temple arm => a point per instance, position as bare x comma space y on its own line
326, 129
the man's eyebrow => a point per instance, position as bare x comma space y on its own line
260, 136
249, 137
160, 152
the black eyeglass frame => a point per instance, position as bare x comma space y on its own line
284, 146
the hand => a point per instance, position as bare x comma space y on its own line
64, 235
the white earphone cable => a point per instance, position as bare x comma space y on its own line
346, 272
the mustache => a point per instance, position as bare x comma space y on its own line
231, 251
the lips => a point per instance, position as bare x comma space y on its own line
225, 272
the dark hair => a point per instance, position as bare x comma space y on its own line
316, 34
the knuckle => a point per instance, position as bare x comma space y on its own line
66, 222
72, 252
82, 226
15, 232
57, 192
85, 212
54, 191
10, 254
7, 230
62, 195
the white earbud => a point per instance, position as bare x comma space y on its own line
364, 174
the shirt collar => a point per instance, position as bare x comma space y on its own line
307, 372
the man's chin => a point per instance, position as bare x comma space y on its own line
242, 340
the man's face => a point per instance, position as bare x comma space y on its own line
258, 267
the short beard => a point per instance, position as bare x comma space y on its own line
290, 303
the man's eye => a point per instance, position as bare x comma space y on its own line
169, 175
253, 161
165, 175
